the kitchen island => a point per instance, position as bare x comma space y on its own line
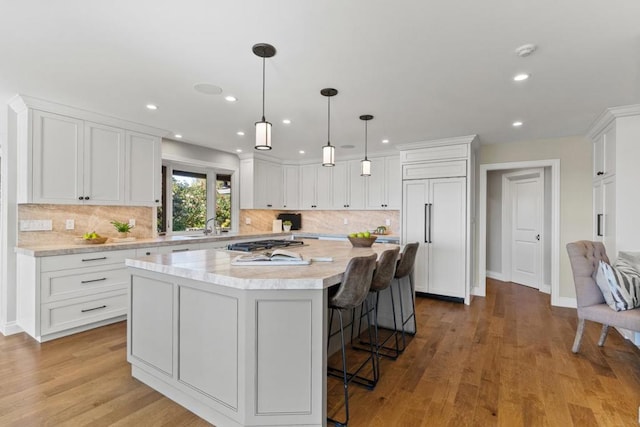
237, 345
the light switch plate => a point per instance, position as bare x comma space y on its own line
70, 224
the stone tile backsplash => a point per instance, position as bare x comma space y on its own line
86, 218
331, 222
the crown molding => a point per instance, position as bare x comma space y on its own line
611, 114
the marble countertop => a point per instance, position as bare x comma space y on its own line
214, 266
110, 245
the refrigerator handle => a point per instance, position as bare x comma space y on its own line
599, 225
427, 222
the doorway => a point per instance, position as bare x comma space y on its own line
550, 236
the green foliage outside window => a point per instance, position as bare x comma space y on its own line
189, 204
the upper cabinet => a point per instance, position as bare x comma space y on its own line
268, 185
604, 153
384, 190
349, 187
261, 184
69, 156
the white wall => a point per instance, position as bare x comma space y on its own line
199, 156
575, 187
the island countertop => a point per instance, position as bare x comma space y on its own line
214, 266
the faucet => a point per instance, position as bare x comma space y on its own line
208, 230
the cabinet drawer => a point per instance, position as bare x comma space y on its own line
455, 151
61, 315
63, 262
87, 281
435, 170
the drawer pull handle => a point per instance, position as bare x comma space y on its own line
93, 280
94, 259
180, 250
94, 308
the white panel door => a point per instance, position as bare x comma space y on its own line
307, 186
104, 157
376, 185
415, 203
143, 173
57, 158
526, 226
393, 182
341, 185
291, 188
324, 187
446, 233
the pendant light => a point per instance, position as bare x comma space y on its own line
365, 165
329, 151
263, 127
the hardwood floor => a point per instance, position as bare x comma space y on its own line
504, 361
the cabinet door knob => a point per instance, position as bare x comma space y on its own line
86, 197
80, 198
600, 173
157, 201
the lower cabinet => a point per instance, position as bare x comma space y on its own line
65, 294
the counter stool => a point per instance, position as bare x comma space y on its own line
352, 292
382, 278
405, 269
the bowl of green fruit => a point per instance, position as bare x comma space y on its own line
361, 239
93, 238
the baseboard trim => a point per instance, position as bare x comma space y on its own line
10, 328
545, 289
565, 302
495, 275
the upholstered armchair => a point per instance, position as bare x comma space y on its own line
585, 257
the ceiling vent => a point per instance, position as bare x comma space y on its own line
525, 50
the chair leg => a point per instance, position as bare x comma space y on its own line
345, 380
404, 340
603, 335
578, 339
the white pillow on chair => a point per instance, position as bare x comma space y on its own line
620, 285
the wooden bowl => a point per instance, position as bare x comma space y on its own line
96, 241
362, 242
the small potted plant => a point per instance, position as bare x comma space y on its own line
286, 225
123, 228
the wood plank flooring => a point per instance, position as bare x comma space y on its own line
504, 361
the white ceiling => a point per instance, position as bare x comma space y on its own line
426, 69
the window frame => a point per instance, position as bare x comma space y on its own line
211, 197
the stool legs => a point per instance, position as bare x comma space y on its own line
413, 311
343, 373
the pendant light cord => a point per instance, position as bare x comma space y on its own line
263, 60
365, 138
328, 120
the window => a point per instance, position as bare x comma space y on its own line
190, 197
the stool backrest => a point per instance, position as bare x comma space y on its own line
356, 282
385, 269
407, 261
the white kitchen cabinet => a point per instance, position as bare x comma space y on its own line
261, 184
291, 187
437, 211
143, 169
349, 187
434, 214
70, 156
65, 294
316, 185
615, 149
384, 186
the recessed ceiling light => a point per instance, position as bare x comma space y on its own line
301, 151
207, 88
238, 150
286, 121
177, 135
240, 133
517, 124
385, 141
520, 77
231, 98
152, 106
